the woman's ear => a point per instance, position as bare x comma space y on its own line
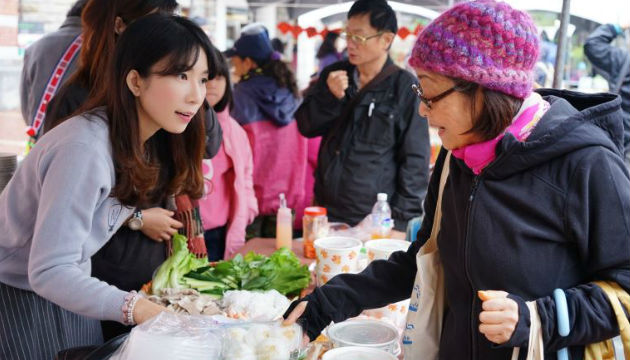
134, 82
119, 25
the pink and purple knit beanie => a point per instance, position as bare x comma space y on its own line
485, 42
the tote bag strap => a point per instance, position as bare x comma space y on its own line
536, 348
431, 244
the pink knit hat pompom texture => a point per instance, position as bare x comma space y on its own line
486, 42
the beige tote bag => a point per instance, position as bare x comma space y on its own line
421, 338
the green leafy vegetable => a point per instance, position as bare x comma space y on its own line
281, 271
173, 269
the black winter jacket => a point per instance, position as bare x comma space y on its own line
608, 61
552, 212
382, 146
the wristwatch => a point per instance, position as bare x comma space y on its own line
135, 222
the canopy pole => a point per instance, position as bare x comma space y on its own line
561, 53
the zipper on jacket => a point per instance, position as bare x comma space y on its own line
466, 267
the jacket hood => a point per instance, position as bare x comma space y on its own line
260, 98
573, 121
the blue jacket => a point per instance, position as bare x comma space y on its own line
260, 98
552, 212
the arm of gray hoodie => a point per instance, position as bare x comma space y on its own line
74, 178
607, 59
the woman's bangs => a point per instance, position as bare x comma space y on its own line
181, 59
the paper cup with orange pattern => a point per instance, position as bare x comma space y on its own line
381, 249
395, 314
336, 255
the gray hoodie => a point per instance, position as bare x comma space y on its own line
40, 60
56, 212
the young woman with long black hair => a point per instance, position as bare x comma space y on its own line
142, 139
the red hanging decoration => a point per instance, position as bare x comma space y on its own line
284, 27
296, 31
403, 32
311, 32
418, 29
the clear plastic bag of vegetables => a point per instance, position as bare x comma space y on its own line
183, 337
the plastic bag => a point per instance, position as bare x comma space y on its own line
183, 337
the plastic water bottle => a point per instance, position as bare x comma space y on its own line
382, 222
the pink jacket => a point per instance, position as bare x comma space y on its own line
244, 206
284, 162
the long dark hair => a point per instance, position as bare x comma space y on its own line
280, 72
98, 19
223, 69
99, 39
496, 113
328, 45
169, 163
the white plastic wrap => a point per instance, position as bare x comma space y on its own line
255, 305
183, 337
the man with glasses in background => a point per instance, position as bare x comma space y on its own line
374, 140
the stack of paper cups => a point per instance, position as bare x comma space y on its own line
395, 313
336, 255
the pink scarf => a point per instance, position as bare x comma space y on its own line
478, 156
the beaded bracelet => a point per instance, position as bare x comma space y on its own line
128, 305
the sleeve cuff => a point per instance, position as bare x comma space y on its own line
311, 321
520, 336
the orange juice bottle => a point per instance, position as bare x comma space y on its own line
314, 218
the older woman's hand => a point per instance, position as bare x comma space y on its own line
293, 318
499, 316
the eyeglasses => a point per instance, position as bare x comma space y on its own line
429, 101
358, 39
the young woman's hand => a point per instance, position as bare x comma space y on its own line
145, 310
158, 224
499, 316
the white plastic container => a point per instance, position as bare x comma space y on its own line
170, 336
374, 334
357, 353
383, 248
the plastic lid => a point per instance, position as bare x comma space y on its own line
372, 333
357, 353
338, 242
381, 197
316, 211
388, 245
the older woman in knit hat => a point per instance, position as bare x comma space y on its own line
536, 198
